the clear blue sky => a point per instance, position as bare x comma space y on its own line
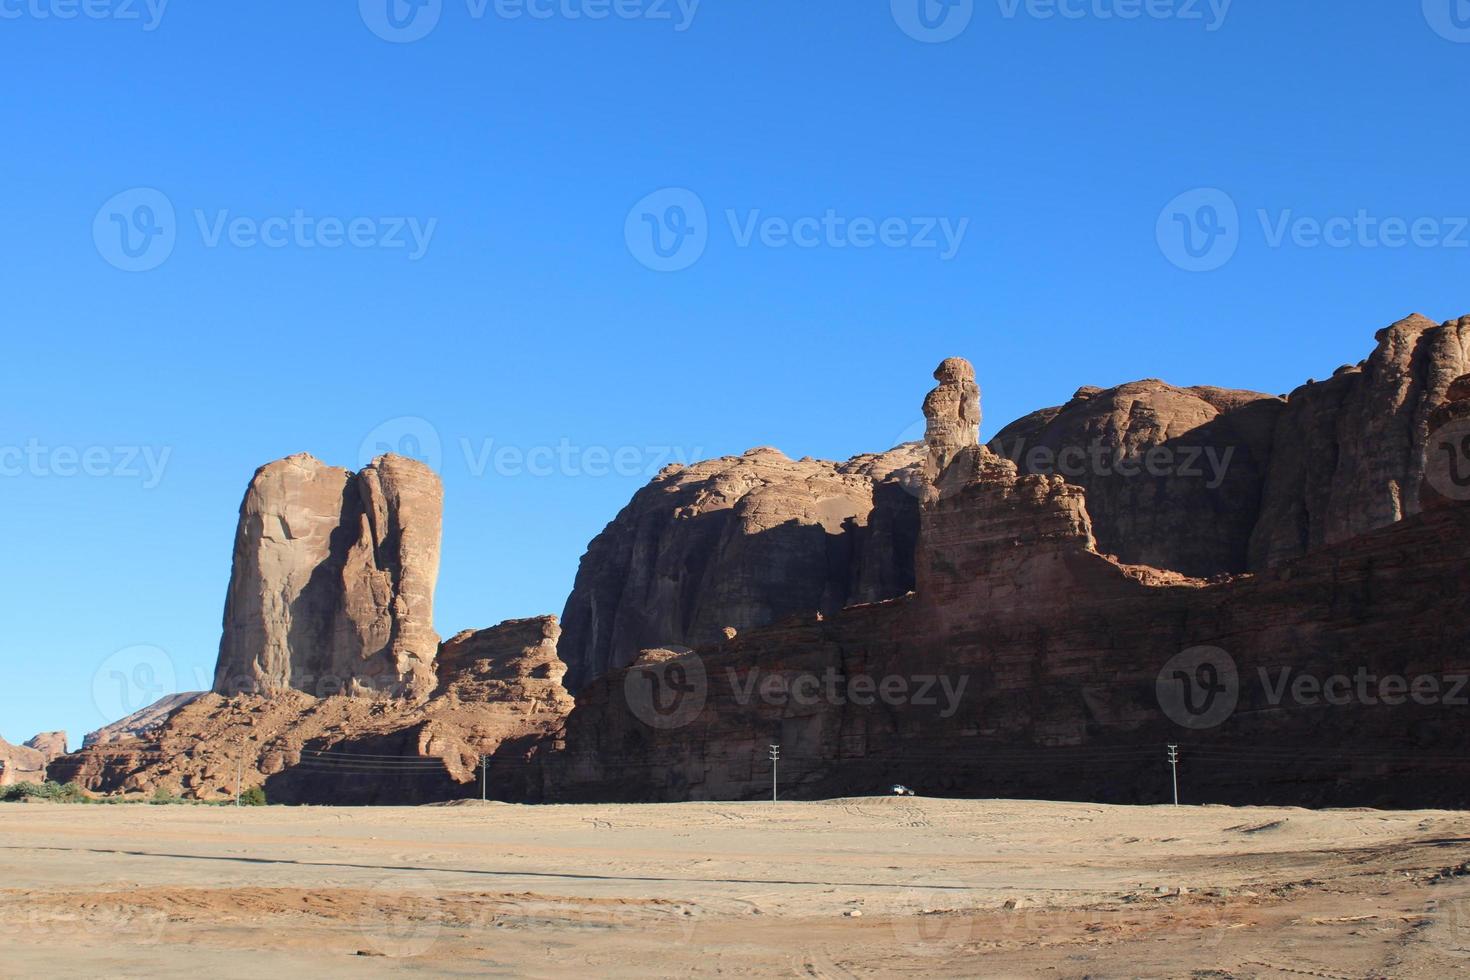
529, 319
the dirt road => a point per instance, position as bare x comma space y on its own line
843, 888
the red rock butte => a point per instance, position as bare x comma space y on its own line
1145, 565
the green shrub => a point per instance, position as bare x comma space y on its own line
49, 790
163, 796
254, 796
72, 793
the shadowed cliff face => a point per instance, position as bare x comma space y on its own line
332, 587
739, 542
1173, 475
1068, 671
1201, 481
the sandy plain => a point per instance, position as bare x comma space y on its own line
906, 887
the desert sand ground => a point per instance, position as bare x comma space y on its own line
844, 888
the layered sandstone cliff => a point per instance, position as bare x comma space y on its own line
1030, 664
332, 587
740, 542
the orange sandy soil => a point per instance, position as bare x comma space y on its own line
843, 888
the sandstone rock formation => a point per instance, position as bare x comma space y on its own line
1210, 481
1348, 453
740, 542
141, 722
951, 415
1173, 476
21, 764
1064, 675
332, 588
49, 744
497, 694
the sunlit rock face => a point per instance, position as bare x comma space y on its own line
332, 586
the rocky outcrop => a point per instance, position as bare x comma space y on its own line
26, 763
951, 416
21, 764
740, 542
497, 695
1028, 664
1173, 476
332, 588
49, 744
1210, 481
1348, 453
141, 722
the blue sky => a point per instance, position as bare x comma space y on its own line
1068, 156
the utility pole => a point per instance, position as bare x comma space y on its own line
1174, 766
775, 755
239, 772
484, 777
